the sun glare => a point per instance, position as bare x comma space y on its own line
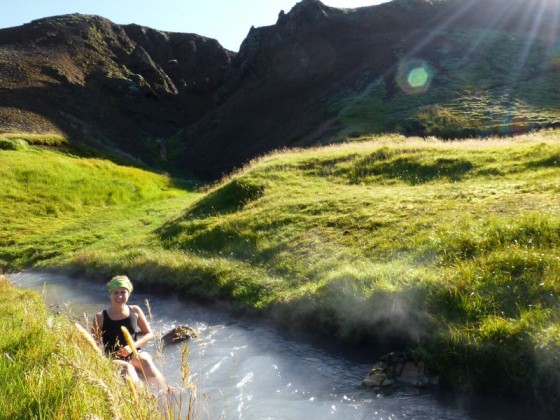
418, 77
536, 21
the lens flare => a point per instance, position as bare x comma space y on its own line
414, 76
555, 56
418, 78
514, 125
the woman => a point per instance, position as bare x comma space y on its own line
107, 329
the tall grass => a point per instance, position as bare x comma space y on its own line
13, 141
47, 372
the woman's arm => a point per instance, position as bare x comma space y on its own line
144, 326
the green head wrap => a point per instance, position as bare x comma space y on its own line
118, 282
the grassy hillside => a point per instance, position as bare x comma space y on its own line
453, 246
470, 82
448, 247
55, 202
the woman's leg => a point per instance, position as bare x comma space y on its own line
127, 369
145, 365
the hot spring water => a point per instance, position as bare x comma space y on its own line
246, 370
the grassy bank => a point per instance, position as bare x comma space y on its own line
48, 370
450, 248
55, 203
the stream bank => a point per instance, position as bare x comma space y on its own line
245, 369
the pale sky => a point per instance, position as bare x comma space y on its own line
228, 21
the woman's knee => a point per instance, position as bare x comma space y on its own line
145, 357
144, 362
127, 368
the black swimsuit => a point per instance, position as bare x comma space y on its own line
113, 337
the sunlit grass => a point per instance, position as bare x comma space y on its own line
38, 139
44, 192
451, 247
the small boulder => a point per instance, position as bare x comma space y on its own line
399, 367
377, 378
178, 334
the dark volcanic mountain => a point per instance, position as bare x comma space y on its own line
125, 87
430, 67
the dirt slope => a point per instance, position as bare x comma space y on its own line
117, 86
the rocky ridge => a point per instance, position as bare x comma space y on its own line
181, 102
107, 84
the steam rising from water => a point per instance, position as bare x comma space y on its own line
378, 305
383, 315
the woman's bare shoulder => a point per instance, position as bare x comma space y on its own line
136, 309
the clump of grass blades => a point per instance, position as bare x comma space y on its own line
503, 355
43, 139
13, 144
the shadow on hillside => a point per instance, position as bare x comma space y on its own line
547, 162
228, 198
97, 121
410, 170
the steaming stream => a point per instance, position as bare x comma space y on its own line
245, 370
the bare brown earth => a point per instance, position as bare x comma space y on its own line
181, 102
114, 86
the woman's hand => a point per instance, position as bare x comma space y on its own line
124, 352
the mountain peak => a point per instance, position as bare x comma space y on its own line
306, 12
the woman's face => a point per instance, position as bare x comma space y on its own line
120, 296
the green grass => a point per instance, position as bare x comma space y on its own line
47, 197
49, 372
449, 247
46, 139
